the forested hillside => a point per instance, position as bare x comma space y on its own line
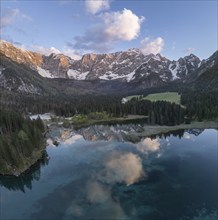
200, 105
21, 142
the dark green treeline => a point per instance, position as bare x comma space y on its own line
21, 141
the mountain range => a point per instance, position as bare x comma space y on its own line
30, 72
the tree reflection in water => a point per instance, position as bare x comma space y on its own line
19, 183
25, 180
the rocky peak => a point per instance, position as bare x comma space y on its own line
64, 61
192, 58
56, 65
184, 66
159, 56
211, 62
88, 58
134, 51
20, 55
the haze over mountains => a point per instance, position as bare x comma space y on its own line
129, 67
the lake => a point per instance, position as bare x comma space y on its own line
164, 178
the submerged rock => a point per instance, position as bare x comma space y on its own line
56, 143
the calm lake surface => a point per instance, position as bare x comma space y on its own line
164, 178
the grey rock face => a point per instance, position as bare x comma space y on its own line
56, 64
108, 66
208, 63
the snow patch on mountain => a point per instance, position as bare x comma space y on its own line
45, 73
174, 70
74, 74
199, 64
110, 76
130, 76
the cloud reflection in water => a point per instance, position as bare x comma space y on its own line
122, 168
148, 145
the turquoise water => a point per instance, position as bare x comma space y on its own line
172, 177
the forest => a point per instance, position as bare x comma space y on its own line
21, 142
200, 105
194, 106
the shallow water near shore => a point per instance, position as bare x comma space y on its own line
171, 177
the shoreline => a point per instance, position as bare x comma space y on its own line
135, 132
113, 121
158, 129
27, 168
148, 130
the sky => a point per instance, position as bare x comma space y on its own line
75, 27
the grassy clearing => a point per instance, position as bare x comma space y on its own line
164, 96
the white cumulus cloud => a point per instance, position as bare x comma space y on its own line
122, 25
112, 27
93, 6
152, 46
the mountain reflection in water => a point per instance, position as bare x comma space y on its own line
168, 176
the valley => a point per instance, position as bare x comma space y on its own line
161, 104
108, 110
173, 100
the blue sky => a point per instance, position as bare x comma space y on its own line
172, 28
